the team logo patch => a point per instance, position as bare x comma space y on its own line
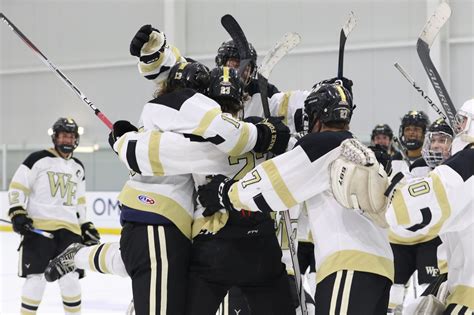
146, 200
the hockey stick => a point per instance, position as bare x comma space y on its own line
282, 47
262, 83
37, 231
240, 40
423, 45
346, 29
423, 94
58, 72
400, 149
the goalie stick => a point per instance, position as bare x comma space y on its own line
288, 42
420, 90
55, 69
423, 45
37, 231
240, 40
346, 29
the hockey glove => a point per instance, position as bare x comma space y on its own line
21, 222
382, 157
120, 128
90, 235
148, 44
273, 136
214, 195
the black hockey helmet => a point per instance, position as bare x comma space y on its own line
228, 49
440, 125
382, 129
328, 102
226, 88
413, 118
65, 125
193, 75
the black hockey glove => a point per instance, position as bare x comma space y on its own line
214, 195
90, 235
120, 128
21, 222
273, 136
156, 44
382, 157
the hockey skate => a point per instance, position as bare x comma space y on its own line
63, 263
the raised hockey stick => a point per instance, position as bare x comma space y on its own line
262, 83
423, 45
400, 149
37, 231
346, 29
289, 41
240, 40
420, 90
58, 72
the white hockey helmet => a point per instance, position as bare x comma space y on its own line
464, 126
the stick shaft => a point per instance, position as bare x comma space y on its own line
37, 231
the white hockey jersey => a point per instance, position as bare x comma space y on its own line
52, 190
344, 238
442, 204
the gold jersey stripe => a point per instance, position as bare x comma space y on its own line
92, 254
29, 301
462, 294
443, 266
17, 185
53, 225
71, 299
443, 202
235, 199
242, 142
103, 254
283, 108
154, 154
72, 309
278, 184
120, 144
357, 261
81, 200
206, 121
162, 205
401, 210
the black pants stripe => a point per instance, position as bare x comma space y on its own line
156, 258
353, 293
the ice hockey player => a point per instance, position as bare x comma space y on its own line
442, 203
419, 253
48, 192
382, 135
354, 263
411, 135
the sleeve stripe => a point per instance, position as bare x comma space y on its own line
234, 198
131, 157
443, 202
283, 109
17, 185
206, 121
262, 203
154, 154
81, 200
278, 184
401, 210
242, 142
120, 144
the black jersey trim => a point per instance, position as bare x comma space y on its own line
462, 163
131, 156
36, 156
420, 162
315, 145
174, 99
262, 203
214, 140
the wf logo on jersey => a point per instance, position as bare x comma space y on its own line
432, 271
63, 183
146, 200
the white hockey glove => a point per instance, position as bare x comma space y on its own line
358, 181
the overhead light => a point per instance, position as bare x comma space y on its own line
80, 130
50, 131
87, 149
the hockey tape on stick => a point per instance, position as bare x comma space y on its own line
55, 69
346, 29
37, 231
420, 90
423, 45
240, 40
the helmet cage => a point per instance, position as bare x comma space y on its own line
435, 156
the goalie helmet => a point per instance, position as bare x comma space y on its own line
192, 75
437, 145
417, 119
226, 88
464, 126
67, 125
328, 103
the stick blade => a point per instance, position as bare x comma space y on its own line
238, 36
434, 24
289, 41
350, 24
